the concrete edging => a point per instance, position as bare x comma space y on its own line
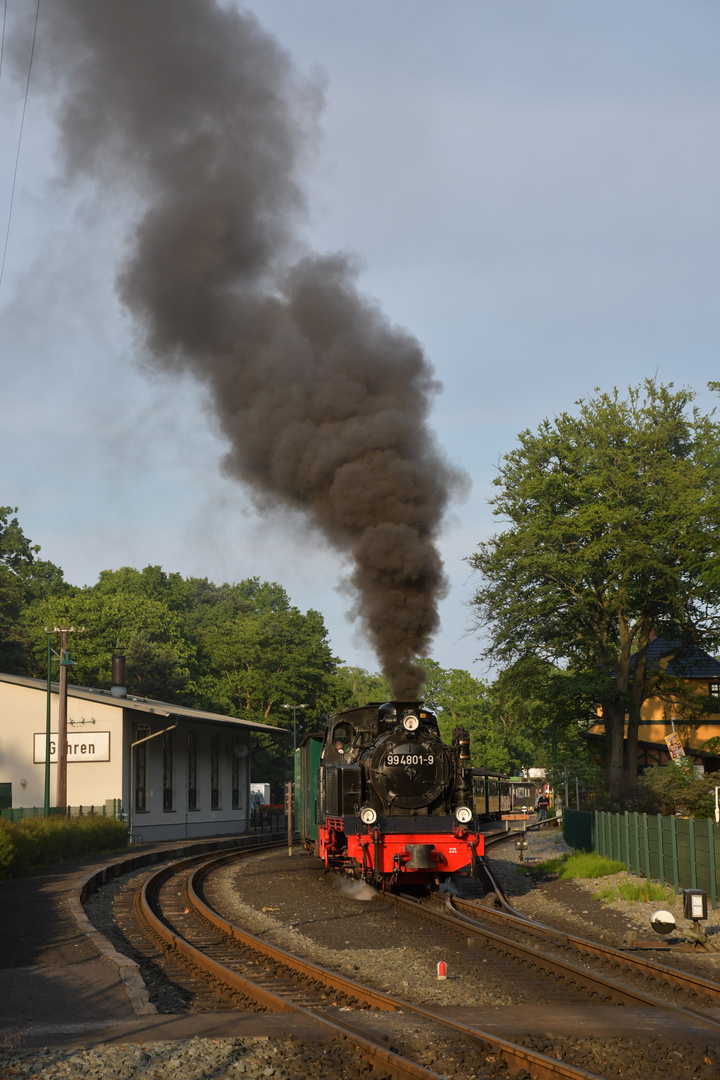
129, 970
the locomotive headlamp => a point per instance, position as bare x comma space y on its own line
411, 722
463, 814
368, 816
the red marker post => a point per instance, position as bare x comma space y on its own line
442, 969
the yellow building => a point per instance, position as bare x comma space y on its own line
661, 717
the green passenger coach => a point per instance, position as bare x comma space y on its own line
307, 763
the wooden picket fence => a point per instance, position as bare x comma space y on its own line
110, 808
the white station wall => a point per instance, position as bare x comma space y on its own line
94, 732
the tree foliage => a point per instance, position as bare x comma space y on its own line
355, 686
497, 740
676, 789
612, 518
159, 653
238, 649
23, 579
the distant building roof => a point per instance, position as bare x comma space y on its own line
146, 705
690, 663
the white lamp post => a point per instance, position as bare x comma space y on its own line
294, 709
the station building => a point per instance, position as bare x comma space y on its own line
190, 779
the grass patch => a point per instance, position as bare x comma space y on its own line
551, 866
587, 864
625, 890
582, 864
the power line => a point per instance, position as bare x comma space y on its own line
22, 124
2, 43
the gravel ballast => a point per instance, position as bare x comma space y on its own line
196, 1059
577, 907
339, 928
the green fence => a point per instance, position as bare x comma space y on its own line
682, 852
110, 808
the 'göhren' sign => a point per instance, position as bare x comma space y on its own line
84, 746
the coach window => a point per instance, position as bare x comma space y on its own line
715, 689
214, 771
192, 799
168, 773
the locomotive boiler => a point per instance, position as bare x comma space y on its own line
379, 795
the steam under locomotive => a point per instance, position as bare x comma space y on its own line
380, 795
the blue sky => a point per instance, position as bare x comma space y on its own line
531, 190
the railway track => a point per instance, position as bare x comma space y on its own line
257, 975
507, 919
695, 987
519, 941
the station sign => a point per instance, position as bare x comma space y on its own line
83, 746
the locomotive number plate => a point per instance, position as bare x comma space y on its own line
410, 759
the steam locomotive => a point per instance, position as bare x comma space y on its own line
379, 795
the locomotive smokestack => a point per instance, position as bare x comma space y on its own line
199, 117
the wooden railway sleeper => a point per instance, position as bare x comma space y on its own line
519, 1058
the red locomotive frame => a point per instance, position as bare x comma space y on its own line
428, 856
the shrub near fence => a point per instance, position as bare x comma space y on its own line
35, 842
682, 852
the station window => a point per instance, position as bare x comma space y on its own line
236, 758
192, 799
715, 689
168, 774
214, 771
141, 762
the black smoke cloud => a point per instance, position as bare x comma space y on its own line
197, 116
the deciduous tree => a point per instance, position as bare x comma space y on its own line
612, 521
23, 579
497, 740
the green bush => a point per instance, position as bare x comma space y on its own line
676, 789
28, 844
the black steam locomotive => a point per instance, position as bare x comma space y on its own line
380, 795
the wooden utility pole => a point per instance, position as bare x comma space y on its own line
61, 795
65, 663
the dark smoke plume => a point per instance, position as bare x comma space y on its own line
199, 117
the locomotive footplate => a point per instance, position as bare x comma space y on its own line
378, 854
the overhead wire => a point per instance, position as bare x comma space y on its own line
22, 125
2, 43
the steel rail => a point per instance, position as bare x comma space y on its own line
400, 1068
641, 965
583, 977
541, 1066
510, 916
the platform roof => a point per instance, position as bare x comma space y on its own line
140, 704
